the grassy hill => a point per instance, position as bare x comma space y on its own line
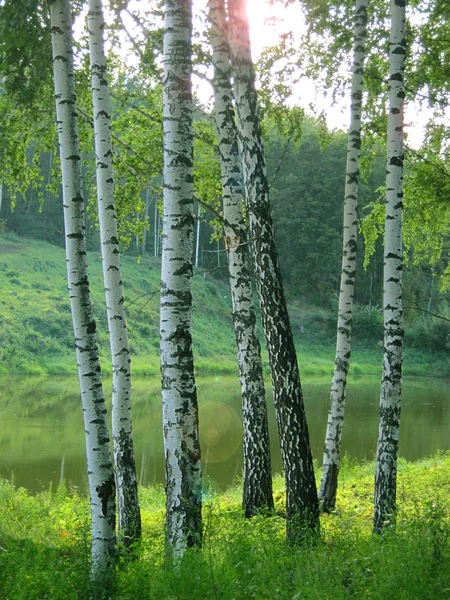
35, 323
36, 328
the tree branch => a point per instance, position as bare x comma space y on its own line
429, 312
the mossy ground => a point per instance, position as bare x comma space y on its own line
44, 546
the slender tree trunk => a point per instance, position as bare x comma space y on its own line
430, 297
144, 233
100, 470
390, 397
124, 461
332, 449
46, 195
257, 483
156, 234
179, 393
197, 237
302, 510
371, 288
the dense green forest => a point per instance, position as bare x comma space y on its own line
307, 187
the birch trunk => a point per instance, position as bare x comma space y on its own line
124, 461
100, 471
332, 448
179, 394
144, 232
156, 233
302, 511
257, 479
46, 195
390, 396
197, 237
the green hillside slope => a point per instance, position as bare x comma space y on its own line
36, 327
35, 323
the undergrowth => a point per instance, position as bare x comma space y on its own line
44, 546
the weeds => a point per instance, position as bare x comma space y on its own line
44, 546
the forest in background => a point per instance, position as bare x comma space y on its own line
307, 185
36, 332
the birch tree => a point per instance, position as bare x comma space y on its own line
301, 493
100, 470
179, 394
124, 462
257, 476
332, 448
390, 396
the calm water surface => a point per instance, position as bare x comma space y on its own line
41, 427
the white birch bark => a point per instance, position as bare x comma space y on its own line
124, 461
100, 470
302, 510
390, 396
333, 436
257, 475
179, 394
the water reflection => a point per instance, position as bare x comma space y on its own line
41, 436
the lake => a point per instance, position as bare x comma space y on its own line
41, 426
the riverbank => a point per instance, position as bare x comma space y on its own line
313, 359
44, 546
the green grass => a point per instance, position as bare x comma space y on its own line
44, 546
35, 324
36, 328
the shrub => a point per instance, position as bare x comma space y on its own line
430, 335
367, 323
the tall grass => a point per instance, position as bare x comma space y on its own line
44, 546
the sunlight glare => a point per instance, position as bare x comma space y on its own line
270, 19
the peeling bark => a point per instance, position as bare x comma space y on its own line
179, 393
124, 462
100, 470
257, 477
333, 436
302, 511
390, 396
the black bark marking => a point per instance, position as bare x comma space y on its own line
105, 492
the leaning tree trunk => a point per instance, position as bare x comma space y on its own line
179, 394
100, 471
390, 397
125, 469
332, 449
302, 511
257, 480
